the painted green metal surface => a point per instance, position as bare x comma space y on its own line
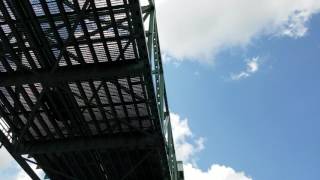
159, 83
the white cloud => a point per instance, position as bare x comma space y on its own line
200, 29
22, 175
295, 26
5, 158
7, 163
252, 67
215, 172
187, 145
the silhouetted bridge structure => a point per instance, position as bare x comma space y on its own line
82, 91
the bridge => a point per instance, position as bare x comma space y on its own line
82, 91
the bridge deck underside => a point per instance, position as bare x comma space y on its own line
38, 36
114, 165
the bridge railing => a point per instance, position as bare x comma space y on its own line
159, 87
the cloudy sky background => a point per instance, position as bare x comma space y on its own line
237, 73
199, 31
215, 44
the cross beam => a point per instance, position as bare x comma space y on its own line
130, 141
105, 70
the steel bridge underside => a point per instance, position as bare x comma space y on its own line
82, 92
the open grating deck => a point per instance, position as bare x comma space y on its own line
82, 91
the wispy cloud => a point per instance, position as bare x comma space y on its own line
199, 35
187, 147
296, 24
253, 65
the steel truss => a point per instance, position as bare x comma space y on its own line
82, 91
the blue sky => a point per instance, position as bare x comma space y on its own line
243, 85
265, 125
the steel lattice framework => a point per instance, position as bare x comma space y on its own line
82, 91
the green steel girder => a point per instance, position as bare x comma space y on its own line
160, 91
